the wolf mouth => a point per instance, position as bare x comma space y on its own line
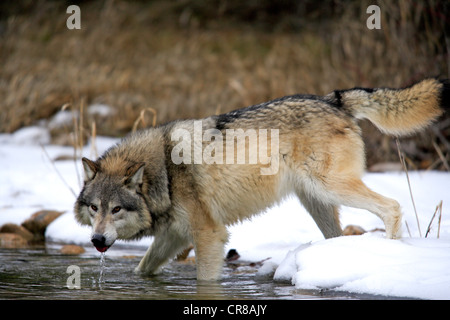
99, 242
101, 249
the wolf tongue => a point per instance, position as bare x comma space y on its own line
101, 249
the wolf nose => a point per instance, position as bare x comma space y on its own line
98, 241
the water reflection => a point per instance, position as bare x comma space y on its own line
41, 273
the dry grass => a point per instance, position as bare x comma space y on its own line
430, 225
185, 62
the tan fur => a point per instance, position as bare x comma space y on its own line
398, 112
319, 157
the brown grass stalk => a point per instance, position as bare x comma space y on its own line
141, 118
441, 156
438, 209
402, 160
94, 151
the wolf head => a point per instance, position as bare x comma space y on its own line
113, 203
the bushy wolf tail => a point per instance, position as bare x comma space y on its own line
397, 111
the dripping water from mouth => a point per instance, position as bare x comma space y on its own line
101, 279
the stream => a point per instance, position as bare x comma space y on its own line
44, 273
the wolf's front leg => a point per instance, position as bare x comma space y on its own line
209, 251
165, 246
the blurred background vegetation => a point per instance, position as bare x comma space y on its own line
194, 58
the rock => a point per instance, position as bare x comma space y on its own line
232, 255
19, 230
12, 241
352, 230
31, 231
187, 261
39, 221
184, 254
71, 249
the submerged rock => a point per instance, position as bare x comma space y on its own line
12, 240
16, 229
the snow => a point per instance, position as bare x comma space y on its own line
413, 266
30, 136
62, 118
372, 264
101, 110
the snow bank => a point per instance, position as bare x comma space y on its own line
411, 267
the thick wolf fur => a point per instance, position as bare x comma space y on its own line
136, 190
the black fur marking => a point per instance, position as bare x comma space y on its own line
368, 90
338, 93
223, 119
337, 103
445, 94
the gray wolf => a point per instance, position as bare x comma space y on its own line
151, 183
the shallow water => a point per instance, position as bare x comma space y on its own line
44, 273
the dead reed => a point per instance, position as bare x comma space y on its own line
438, 210
187, 60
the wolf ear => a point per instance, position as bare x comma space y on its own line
135, 174
90, 169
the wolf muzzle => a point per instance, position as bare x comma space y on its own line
99, 242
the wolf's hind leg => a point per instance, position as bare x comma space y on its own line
354, 193
165, 246
325, 215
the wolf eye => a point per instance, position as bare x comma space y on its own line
116, 209
94, 208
